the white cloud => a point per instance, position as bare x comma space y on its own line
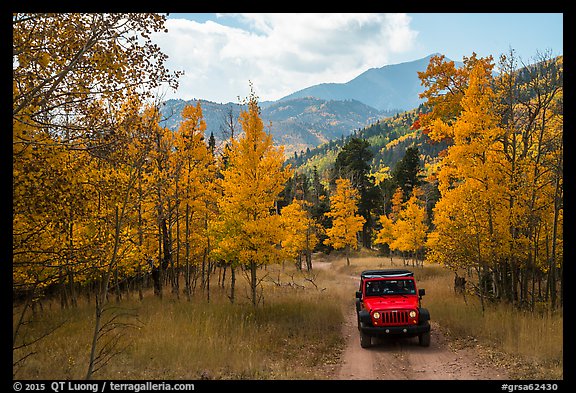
279, 53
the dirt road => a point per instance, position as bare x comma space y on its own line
405, 359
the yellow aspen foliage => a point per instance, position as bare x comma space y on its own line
299, 229
118, 177
397, 202
445, 85
50, 201
477, 150
194, 184
386, 234
74, 159
472, 215
71, 205
345, 222
381, 175
254, 177
404, 229
62, 62
410, 230
251, 184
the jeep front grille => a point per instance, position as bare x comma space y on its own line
394, 317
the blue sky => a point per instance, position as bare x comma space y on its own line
282, 53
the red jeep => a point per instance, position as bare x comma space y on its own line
388, 305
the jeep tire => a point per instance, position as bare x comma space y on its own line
424, 338
365, 339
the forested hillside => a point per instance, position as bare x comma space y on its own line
297, 124
388, 140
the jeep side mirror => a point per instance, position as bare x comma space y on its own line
358, 295
421, 292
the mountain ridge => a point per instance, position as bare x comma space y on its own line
319, 113
390, 87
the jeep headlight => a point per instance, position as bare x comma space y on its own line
412, 314
376, 315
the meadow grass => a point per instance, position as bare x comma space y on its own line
294, 333
532, 340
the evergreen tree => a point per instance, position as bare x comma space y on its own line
212, 143
353, 163
319, 205
406, 173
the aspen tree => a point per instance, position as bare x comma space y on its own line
299, 228
471, 181
386, 233
410, 229
531, 103
116, 179
196, 194
345, 222
251, 185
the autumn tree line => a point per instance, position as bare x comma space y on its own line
104, 196
490, 207
501, 181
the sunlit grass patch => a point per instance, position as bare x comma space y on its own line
292, 334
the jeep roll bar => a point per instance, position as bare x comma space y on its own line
386, 273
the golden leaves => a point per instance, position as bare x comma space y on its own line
345, 222
492, 179
299, 229
252, 180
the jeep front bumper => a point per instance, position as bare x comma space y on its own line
408, 330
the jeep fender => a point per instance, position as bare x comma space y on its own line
423, 315
358, 305
364, 317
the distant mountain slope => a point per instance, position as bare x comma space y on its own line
318, 114
322, 119
388, 139
297, 124
390, 88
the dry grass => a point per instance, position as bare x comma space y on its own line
294, 334
531, 344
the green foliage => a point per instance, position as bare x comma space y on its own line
387, 138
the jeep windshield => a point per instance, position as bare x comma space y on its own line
390, 287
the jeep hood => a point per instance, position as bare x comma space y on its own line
391, 302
